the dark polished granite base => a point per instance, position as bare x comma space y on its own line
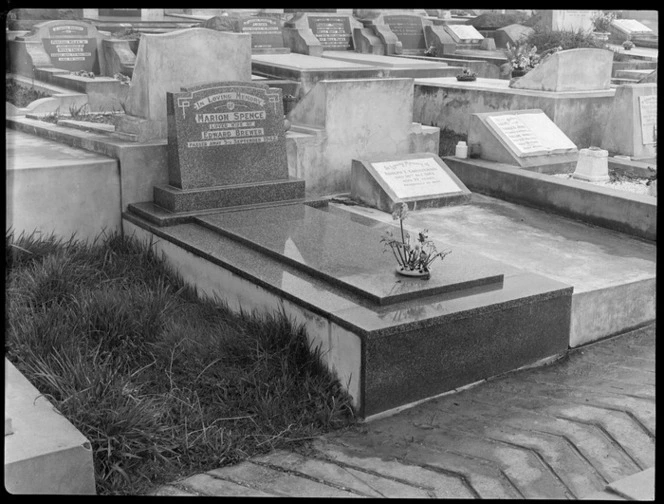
412, 347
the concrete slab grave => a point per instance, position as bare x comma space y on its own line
526, 138
449, 104
395, 66
421, 180
631, 129
226, 148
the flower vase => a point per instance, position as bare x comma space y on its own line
425, 275
518, 72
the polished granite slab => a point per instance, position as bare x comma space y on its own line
348, 254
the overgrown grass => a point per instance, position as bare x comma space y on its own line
20, 95
162, 383
448, 142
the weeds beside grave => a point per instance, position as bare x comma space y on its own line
20, 95
162, 383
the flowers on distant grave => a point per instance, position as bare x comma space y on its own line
431, 51
522, 56
628, 45
602, 21
83, 73
466, 75
416, 258
124, 79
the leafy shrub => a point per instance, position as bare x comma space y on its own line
495, 20
546, 40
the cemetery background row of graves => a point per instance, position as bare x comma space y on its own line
263, 153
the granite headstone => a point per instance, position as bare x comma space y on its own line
333, 32
409, 29
225, 133
71, 45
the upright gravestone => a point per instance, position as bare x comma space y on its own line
526, 138
266, 31
567, 20
420, 179
407, 27
312, 33
631, 129
226, 148
68, 44
166, 62
120, 12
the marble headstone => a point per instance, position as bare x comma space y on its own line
422, 179
527, 138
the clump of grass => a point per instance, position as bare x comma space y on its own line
448, 142
162, 383
20, 95
546, 39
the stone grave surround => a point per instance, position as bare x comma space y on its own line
314, 32
166, 62
526, 138
226, 149
422, 180
628, 29
67, 44
631, 128
572, 70
266, 31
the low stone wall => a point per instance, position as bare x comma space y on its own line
447, 103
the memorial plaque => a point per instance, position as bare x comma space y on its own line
630, 26
648, 112
411, 178
531, 134
70, 47
333, 32
265, 32
465, 33
226, 133
408, 29
420, 178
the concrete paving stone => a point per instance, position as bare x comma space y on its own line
276, 482
622, 361
618, 425
171, 491
604, 495
432, 483
207, 484
526, 471
640, 486
639, 391
608, 459
642, 409
485, 480
576, 473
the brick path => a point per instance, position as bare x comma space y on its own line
563, 431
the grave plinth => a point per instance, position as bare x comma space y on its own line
632, 126
420, 179
226, 149
593, 165
526, 138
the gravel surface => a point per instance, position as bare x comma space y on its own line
633, 186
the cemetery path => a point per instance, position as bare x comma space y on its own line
581, 427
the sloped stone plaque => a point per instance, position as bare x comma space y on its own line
531, 134
420, 178
464, 33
